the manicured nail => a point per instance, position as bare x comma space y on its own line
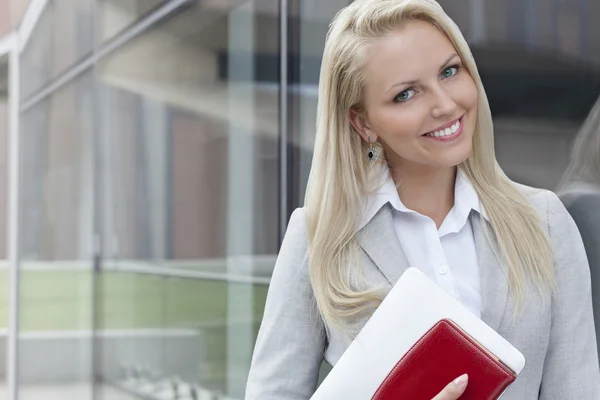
461, 381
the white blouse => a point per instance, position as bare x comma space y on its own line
447, 255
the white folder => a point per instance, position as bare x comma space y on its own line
410, 309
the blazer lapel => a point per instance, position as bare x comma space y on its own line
494, 281
379, 240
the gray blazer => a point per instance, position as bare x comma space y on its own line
585, 210
556, 336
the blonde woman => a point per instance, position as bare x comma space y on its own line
579, 190
404, 174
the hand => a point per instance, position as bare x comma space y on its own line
454, 390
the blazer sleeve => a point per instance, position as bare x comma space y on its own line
571, 369
586, 213
291, 340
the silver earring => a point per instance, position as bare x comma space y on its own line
373, 153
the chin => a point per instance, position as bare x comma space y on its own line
454, 157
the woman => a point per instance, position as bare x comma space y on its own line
404, 174
579, 190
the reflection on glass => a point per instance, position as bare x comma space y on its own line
309, 42
3, 215
202, 307
62, 36
188, 145
115, 15
579, 190
538, 92
3, 177
56, 228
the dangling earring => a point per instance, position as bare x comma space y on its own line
373, 153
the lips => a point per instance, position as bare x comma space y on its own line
446, 132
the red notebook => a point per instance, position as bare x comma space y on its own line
443, 354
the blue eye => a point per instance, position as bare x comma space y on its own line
405, 95
450, 72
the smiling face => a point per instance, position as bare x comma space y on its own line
418, 99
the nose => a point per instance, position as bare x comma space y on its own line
443, 103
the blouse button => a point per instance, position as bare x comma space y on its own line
443, 270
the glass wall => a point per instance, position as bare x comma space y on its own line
149, 191
188, 138
62, 36
310, 22
114, 16
17, 10
152, 179
55, 343
4, 128
5, 24
4, 125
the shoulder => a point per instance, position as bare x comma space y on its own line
293, 254
555, 218
295, 233
544, 201
539, 198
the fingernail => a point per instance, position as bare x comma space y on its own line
461, 381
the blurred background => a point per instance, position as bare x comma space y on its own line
162, 146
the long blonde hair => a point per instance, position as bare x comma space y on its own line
584, 166
338, 181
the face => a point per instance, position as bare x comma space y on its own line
419, 101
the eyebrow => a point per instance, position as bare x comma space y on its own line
410, 83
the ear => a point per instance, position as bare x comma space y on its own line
361, 126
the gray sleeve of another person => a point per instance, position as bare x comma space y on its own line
586, 213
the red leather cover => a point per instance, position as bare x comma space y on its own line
443, 354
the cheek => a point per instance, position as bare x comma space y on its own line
469, 94
396, 123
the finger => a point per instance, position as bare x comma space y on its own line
454, 390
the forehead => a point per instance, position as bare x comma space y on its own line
413, 52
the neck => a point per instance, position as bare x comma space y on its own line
426, 190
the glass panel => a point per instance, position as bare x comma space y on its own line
4, 131
4, 121
166, 136
198, 329
308, 41
62, 36
188, 124
132, 311
4, 18
18, 8
55, 346
116, 15
539, 98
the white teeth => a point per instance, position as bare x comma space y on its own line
445, 132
